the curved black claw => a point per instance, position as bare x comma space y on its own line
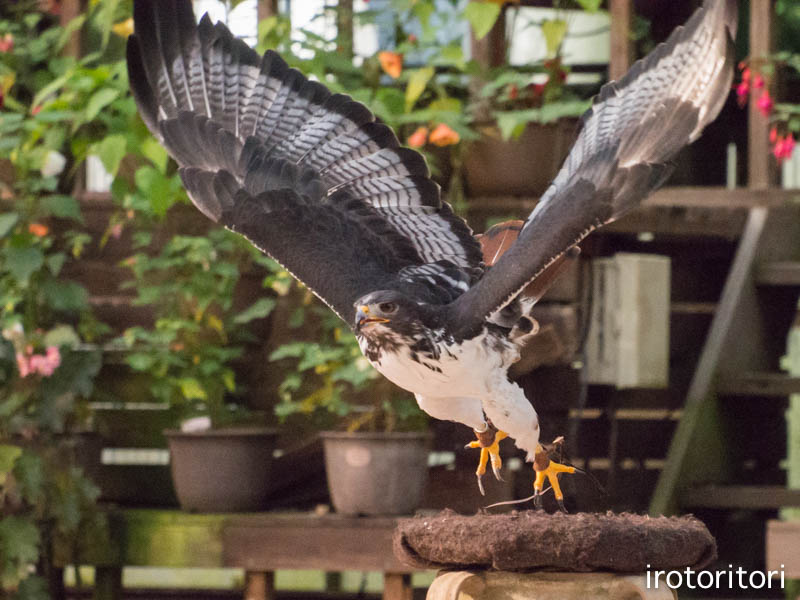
561, 506
480, 484
538, 504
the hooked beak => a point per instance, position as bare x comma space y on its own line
364, 318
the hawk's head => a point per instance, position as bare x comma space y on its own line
387, 309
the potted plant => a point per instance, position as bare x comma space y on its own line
218, 464
526, 115
374, 436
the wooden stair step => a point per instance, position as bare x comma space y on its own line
759, 384
754, 497
779, 272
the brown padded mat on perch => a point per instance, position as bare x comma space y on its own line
535, 540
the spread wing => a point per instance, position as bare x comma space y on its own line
629, 136
309, 177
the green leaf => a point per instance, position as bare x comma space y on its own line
590, 5
482, 16
61, 335
75, 374
155, 153
111, 151
55, 262
33, 587
258, 310
29, 473
19, 540
99, 100
417, 82
65, 296
554, 32
8, 456
63, 207
23, 262
140, 361
191, 389
7, 222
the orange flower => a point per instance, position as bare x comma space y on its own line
418, 138
38, 229
391, 62
442, 135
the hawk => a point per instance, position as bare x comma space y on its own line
315, 181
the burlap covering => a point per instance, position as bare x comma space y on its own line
535, 540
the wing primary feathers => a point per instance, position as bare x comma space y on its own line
624, 151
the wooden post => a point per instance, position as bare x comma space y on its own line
761, 168
259, 585
488, 52
267, 8
107, 583
344, 28
397, 586
621, 49
71, 9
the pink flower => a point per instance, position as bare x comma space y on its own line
773, 135
53, 355
7, 43
784, 147
116, 231
758, 82
742, 90
765, 103
22, 365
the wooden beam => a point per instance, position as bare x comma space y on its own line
764, 497
701, 412
779, 272
621, 48
397, 586
760, 384
761, 168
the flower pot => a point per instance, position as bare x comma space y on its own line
522, 167
222, 470
376, 473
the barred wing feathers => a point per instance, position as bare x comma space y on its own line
628, 138
308, 176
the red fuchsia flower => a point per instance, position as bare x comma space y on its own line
745, 73
765, 103
758, 82
418, 138
513, 91
36, 110
7, 43
442, 135
783, 148
773, 135
742, 91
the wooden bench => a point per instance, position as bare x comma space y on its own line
258, 543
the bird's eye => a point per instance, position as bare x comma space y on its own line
387, 308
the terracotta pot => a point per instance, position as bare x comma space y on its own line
521, 167
222, 470
376, 473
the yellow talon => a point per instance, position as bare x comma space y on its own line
546, 468
488, 451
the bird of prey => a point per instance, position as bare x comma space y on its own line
315, 181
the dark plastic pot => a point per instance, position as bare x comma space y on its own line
222, 470
376, 473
